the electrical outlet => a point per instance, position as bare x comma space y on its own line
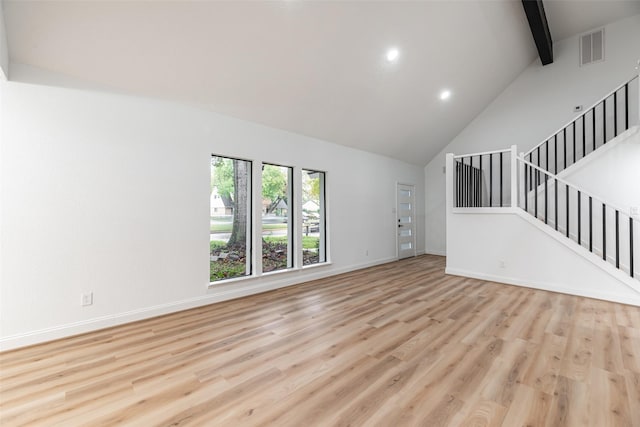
635, 211
577, 108
501, 264
87, 299
366, 252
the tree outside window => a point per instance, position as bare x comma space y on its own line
230, 240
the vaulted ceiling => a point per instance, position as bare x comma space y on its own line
316, 68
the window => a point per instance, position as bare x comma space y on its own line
289, 233
313, 218
230, 218
277, 214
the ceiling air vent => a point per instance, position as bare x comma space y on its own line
592, 47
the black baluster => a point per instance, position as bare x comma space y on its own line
564, 144
567, 203
526, 188
604, 122
615, 114
555, 154
535, 194
537, 170
491, 180
590, 224
477, 187
480, 184
472, 179
626, 105
604, 232
574, 142
593, 119
631, 246
501, 179
545, 200
460, 184
457, 184
462, 177
531, 171
546, 160
584, 136
617, 239
579, 219
466, 184
470, 183
555, 207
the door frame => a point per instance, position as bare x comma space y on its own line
395, 209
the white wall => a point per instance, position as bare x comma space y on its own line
573, 271
613, 172
110, 194
4, 49
510, 246
535, 105
610, 175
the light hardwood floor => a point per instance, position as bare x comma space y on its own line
394, 345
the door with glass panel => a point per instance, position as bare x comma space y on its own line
406, 228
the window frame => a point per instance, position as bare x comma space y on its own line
292, 244
323, 253
249, 244
295, 260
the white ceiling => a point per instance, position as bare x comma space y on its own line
312, 67
567, 18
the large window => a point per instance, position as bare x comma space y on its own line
230, 224
277, 214
258, 224
313, 218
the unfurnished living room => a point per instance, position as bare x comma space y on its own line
320, 213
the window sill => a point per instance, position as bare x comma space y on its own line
316, 265
231, 281
245, 279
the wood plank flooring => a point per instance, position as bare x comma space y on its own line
400, 344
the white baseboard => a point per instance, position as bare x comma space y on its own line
592, 257
435, 252
553, 287
213, 295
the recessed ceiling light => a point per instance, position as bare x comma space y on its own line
392, 54
445, 94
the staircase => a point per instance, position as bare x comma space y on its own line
536, 183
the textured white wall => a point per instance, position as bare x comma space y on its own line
110, 194
535, 105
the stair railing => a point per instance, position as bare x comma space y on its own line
483, 180
502, 179
597, 125
600, 227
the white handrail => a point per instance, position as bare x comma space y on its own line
459, 156
586, 193
586, 110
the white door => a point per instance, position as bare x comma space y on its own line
406, 221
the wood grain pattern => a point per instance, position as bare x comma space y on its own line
400, 344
